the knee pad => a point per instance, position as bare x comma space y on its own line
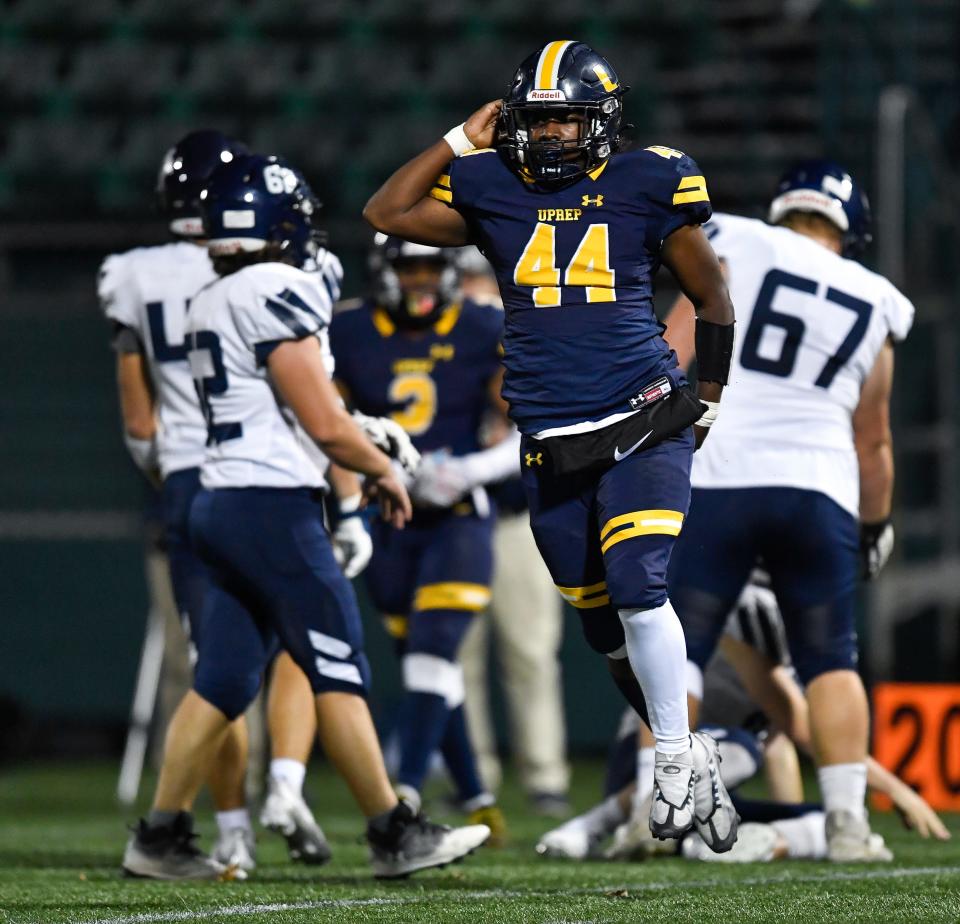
427, 673
228, 691
740, 754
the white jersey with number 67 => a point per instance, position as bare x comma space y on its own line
810, 325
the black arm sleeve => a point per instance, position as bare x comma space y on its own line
714, 346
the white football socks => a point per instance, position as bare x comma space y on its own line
806, 836
658, 656
233, 818
844, 787
290, 771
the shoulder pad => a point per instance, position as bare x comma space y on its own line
665, 152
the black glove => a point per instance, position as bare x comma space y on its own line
876, 544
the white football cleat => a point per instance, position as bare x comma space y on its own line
715, 817
756, 843
571, 841
850, 840
671, 811
236, 848
286, 813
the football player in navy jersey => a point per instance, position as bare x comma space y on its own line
576, 230
420, 354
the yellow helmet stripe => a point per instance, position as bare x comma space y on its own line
549, 64
604, 78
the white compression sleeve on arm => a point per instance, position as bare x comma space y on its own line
494, 464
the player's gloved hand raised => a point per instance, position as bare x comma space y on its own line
876, 545
352, 545
441, 480
389, 436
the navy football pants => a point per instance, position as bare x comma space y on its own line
809, 545
189, 576
606, 539
431, 578
273, 577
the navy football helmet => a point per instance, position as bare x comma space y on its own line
418, 307
184, 172
825, 188
256, 200
560, 79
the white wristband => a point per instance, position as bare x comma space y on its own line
350, 505
458, 140
710, 414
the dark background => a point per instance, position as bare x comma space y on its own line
92, 93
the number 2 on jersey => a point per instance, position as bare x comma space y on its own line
765, 315
210, 377
589, 266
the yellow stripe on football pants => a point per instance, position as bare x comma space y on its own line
586, 598
452, 595
640, 523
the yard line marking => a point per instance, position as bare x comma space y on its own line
248, 908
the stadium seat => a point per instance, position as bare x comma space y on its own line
238, 75
298, 18
28, 74
188, 19
108, 73
473, 72
40, 18
67, 145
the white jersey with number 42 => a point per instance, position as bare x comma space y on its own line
810, 325
233, 326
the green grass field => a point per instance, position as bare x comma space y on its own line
61, 837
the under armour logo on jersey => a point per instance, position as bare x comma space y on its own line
591, 200
532, 459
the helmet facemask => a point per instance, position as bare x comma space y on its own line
413, 300
554, 160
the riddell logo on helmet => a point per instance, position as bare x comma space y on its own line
546, 95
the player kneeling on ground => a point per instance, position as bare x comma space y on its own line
253, 347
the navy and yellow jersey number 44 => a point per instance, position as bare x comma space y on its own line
575, 268
434, 383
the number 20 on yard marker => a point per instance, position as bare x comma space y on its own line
916, 732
